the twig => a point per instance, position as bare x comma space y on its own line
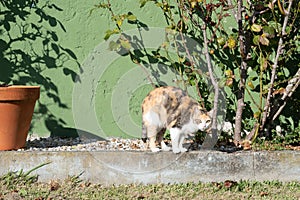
289, 90
112, 13
147, 74
279, 52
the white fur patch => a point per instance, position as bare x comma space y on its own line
190, 127
203, 126
153, 119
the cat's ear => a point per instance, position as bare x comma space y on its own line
198, 110
210, 113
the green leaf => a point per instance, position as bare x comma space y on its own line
108, 34
158, 4
125, 44
275, 25
228, 73
221, 41
113, 46
256, 28
131, 18
111, 32
143, 3
286, 72
119, 22
269, 31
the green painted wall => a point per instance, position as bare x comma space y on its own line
61, 41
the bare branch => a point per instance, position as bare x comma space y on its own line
207, 144
252, 135
279, 52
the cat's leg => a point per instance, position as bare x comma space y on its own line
159, 139
152, 144
175, 136
164, 147
181, 140
152, 132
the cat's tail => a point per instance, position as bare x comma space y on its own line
144, 132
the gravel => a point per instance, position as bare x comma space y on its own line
35, 143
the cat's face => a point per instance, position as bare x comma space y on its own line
202, 119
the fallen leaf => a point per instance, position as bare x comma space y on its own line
246, 144
263, 193
54, 185
229, 184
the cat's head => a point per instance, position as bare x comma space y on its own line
201, 118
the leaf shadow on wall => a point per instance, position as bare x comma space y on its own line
30, 48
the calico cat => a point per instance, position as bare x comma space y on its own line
171, 108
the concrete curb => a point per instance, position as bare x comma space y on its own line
164, 167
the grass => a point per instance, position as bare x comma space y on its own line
21, 185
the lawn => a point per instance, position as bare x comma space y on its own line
23, 185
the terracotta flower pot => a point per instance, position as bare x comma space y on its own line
16, 110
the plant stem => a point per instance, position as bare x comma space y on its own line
243, 77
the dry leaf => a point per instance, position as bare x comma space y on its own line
246, 144
54, 185
229, 82
263, 193
279, 91
229, 184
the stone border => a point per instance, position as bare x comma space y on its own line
125, 167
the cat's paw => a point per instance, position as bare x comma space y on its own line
176, 150
166, 148
155, 149
182, 150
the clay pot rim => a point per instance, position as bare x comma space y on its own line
18, 86
19, 92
